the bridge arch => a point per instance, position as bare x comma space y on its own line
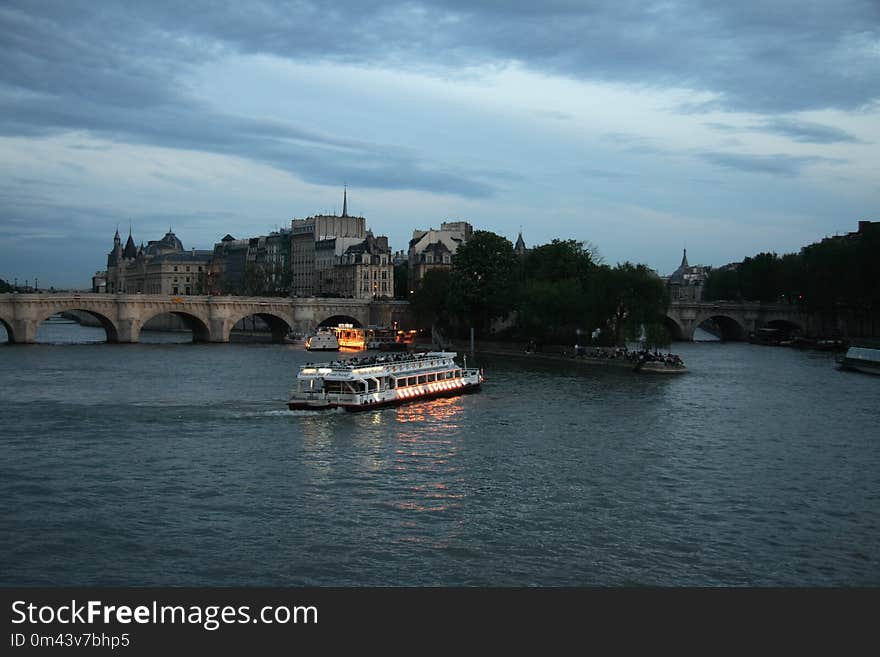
731, 328
278, 324
676, 330
109, 326
7, 326
335, 320
198, 325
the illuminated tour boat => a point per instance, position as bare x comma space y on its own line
364, 383
350, 337
323, 340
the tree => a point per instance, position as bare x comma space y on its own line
627, 298
554, 302
401, 280
483, 280
430, 303
4, 286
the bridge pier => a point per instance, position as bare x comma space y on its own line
128, 331
24, 331
219, 328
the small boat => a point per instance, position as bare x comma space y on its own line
862, 359
350, 337
366, 383
323, 340
388, 339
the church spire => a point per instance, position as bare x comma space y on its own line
345, 201
684, 259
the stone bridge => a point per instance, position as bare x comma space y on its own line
210, 318
736, 320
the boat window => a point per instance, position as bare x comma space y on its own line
422, 379
392, 382
432, 377
410, 380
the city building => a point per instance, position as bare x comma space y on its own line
162, 267
686, 282
307, 233
361, 270
254, 266
434, 249
99, 282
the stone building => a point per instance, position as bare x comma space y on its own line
307, 233
254, 266
162, 267
434, 249
520, 247
686, 283
362, 270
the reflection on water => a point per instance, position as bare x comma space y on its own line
158, 464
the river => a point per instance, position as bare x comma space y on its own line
178, 464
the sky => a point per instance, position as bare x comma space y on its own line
642, 127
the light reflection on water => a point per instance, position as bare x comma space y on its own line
179, 464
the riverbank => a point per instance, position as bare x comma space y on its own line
562, 353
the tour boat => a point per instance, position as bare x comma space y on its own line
349, 337
323, 340
862, 359
364, 383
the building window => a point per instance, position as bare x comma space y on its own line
200, 269
175, 267
174, 291
384, 276
187, 268
187, 278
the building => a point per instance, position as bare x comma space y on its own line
520, 247
162, 267
254, 266
99, 282
865, 228
307, 233
362, 270
434, 249
686, 282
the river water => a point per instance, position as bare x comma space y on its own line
178, 464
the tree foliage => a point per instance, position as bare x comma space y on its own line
835, 273
484, 280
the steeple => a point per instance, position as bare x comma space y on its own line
130, 249
345, 201
520, 247
684, 260
116, 238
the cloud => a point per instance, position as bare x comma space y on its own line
800, 131
777, 164
808, 132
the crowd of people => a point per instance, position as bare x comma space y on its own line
359, 361
624, 353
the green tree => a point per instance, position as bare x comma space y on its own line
401, 281
626, 298
430, 303
553, 301
4, 286
483, 280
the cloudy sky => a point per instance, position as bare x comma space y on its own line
643, 127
